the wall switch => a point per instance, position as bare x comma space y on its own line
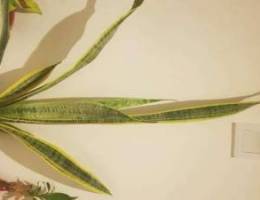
246, 140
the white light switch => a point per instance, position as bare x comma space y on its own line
251, 142
246, 140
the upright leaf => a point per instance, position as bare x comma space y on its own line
88, 57
26, 83
57, 159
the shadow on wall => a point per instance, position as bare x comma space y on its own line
53, 48
55, 45
24, 156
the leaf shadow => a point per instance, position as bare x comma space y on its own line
55, 45
46, 54
17, 151
170, 104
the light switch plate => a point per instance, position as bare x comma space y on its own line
246, 140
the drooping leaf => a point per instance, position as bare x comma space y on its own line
57, 196
88, 57
4, 26
58, 159
26, 83
74, 110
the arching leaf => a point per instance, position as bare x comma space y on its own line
57, 159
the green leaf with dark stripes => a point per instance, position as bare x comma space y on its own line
58, 159
88, 57
113, 110
192, 113
74, 110
4, 26
120, 102
26, 83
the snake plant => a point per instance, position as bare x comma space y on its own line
15, 107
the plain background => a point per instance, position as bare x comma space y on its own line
173, 49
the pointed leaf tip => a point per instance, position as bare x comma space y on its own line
137, 3
58, 159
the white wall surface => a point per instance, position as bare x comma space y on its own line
177, 49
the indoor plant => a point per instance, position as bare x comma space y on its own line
15, 108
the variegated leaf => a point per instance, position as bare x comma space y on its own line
57, 159
74, 110
89, 56
26, 83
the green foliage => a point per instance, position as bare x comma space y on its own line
14, 107
57, 158
26, 83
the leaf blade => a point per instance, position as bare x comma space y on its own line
59, 111
196, 112
87, 58
57, 159
26, 83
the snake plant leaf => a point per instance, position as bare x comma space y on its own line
57, 159
160, 105
192, 113
56, 111
121, 103
26, 83
95, 50
4, 26
89, 56
25, 6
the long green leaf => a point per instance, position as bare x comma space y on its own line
96, 110
161, 106
193, 113
58, 159
4, 7
87, 58
74, 110
26, 83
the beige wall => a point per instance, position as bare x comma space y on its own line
181, 49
